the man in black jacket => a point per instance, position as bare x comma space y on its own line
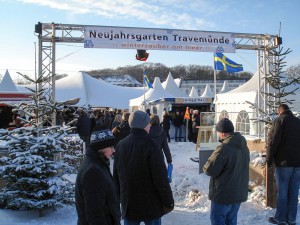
284, 151
96, 196
228, 167
141, 176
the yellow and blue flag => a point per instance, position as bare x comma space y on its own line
146, 81
223, 63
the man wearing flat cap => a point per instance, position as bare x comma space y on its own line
228, 167
141, 176
96, 195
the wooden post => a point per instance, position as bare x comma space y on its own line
271, 190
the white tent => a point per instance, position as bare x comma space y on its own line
234, 105
170, 86
194, 93
94, 92
154, 93
7, 85
225, 87
207, 92
10, 93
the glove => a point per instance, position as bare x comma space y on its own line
170, 169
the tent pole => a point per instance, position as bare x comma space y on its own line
144, 89
215, 78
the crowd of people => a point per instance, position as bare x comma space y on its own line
140, 182
139, 189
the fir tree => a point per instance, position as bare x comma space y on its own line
281, 87
38, 158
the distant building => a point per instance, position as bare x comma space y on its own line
186, 85
127, 80
120, 80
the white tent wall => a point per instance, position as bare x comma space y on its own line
234, 101
234, 105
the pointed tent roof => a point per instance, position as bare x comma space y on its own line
225, 87
7, 84
194, 93
207, 92
10, 93
152, 94
248, 92
170, 86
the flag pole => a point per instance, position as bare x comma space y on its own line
215, 78
144, 88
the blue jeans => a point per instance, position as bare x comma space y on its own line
176, 133
147, 222
224, 214
287, 182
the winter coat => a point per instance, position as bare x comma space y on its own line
96, 197
83, 126
178, 120
159, 137
228, 167
166, 122
283, 148
141, 177
93, 123
121, 131
107, 121
195, 122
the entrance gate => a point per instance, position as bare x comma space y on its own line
51, 33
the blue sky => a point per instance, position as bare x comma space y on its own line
18, 18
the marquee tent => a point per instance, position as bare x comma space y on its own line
154, 93
207, 92
225, 87
170, 86
194, 93
233, 104
95, 92
10, 93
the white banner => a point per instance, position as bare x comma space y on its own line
158, 39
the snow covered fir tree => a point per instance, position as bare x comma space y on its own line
39, 157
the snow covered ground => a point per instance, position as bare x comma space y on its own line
190, 190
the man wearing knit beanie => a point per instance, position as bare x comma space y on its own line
141, 175
228, 167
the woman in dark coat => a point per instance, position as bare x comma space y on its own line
96, 195
123, 130
159, 137
166, 123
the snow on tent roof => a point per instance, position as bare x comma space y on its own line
94, 92
207, 92
225, 87
7, 85
170, 86
194, 93
154, 93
